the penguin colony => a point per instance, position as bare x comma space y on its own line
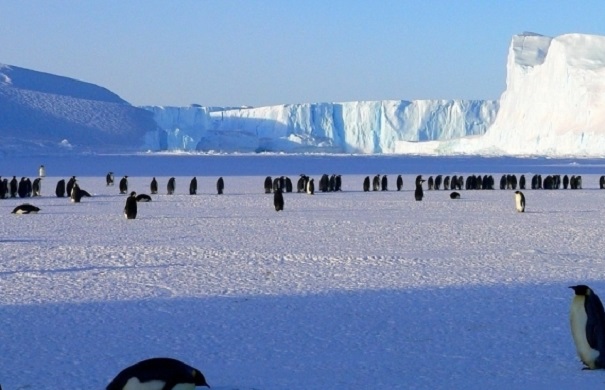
24, 187
587, 315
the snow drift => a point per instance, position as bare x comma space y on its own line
41, 110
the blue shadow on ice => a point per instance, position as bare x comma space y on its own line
497, 336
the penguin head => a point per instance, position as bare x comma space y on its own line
581, 289
199, 378
133, 193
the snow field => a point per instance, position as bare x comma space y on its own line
340, 290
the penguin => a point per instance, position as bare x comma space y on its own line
70, 184
60, 189
384, 184
25, 208
220, 186
76, 194
143, 198
310, 187
130, 210
13, 187
446, 183
587, 322
332, 186
438, 181
324, 183
109, 179
366, 184
22, 188
37, 187
124, 185
153, 187
455, 195
431, 183
301, 183
520, 201
522, 182
565, 182
399, 183
160, 374
193, 186
41, 171
376, 183
3, 189
276, 184
338, 183
268, 185
278, 200
171, 186
288, 185
418, 193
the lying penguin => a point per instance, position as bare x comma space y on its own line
158, 374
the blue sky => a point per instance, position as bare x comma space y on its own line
233, 53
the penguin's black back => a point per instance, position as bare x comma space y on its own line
168, 370
220, 185
130, 209
278, 200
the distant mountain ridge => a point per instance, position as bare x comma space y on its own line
43, 112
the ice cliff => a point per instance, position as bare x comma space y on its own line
554, 104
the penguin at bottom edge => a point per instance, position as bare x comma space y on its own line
158, 373
130, 209
520, 201
278, 200
587, 321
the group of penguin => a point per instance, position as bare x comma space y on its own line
131, 208
282, 184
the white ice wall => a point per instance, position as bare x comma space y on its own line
353, 127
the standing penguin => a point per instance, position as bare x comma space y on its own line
76, 193
366, 184
41, 171
587, 321
399, 183
171, 186
278, 200
220, 186
158, 373
130, 210
124, 185
70, 184
37, 187
153, 187
268, 185
310, 187
60, 189
193, 186
419, 193
384, 184
520, 201
109, 179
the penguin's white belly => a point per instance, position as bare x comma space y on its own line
519, 203
578, 321
134, 384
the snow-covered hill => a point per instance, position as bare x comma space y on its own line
43, 112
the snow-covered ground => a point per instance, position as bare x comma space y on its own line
339, 291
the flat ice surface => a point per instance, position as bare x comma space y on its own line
339, 291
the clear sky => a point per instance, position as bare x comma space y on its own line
233, 53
